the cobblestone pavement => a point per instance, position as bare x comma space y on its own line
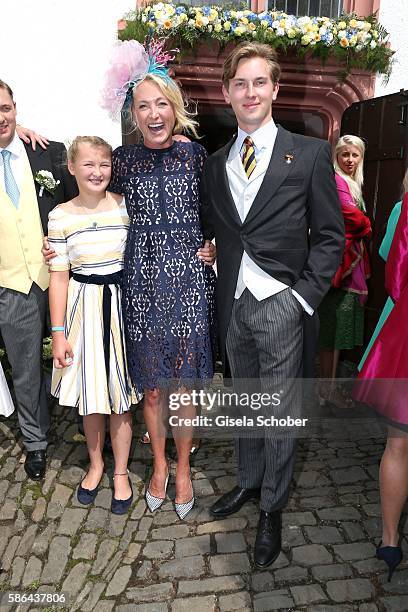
155, 563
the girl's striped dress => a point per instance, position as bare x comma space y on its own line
92, 245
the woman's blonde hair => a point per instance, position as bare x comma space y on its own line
95, 141
355, 182
171, 91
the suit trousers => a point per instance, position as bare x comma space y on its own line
22, 321
264, 347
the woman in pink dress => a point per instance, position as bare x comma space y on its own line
383, 384
341, 312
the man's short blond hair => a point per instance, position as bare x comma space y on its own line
247, 50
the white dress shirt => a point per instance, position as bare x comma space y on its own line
244, 191
18, 153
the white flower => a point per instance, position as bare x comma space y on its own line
373, 44
47, 181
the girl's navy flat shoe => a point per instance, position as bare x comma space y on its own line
121, 506
87, 496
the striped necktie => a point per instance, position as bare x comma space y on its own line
10, 184
248, 156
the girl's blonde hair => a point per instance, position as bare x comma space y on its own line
95, 141
355, 182
171, 91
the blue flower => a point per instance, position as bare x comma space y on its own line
180, 10
227, 15
206, 10
267, 18
252, 17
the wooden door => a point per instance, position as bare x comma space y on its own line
382, 123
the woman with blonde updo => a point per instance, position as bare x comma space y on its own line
342, 310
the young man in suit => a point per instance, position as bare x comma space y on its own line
269, 198
24, 208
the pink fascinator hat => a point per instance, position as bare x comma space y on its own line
130, 62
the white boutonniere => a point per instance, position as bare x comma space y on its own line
47, 181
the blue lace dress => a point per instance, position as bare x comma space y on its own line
168, 293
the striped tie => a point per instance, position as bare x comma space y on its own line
9, 180
248, 156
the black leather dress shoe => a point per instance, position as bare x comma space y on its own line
233, 500
268, 539
35, 464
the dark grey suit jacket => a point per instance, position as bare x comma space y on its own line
53, 159
294, 230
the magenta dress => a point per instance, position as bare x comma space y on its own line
383, 380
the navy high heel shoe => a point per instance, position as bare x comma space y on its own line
121, 506
392, 555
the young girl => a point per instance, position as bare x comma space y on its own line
88, 235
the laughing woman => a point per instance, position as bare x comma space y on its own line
168, 292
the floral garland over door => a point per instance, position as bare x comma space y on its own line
360, 43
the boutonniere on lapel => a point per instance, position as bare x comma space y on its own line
47, 182
289, 158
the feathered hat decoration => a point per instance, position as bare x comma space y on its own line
130, 62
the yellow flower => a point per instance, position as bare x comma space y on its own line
217, 27
158, 15
233, 14
167, 24
305, 40
227, 26
353, 23
183, 17
375, 34
367, 26
341, 25
199, 21
170, 10
282, 23
291, 33
317, 37
264, 23
244, 20
213, 14
238, 31
251, 27
353, 41
344, 42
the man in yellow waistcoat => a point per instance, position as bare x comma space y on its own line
31, 184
